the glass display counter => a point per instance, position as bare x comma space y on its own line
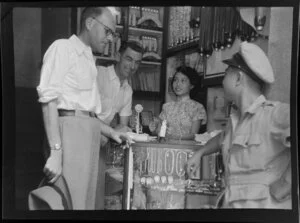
154, 177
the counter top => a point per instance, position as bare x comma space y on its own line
176, 144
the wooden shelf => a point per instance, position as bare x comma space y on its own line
143, 31
108, 59
105, 58
189, 46
151, 62
104, 61
146, 94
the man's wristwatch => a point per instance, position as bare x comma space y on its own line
56, 147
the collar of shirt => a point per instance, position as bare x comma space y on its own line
253, 107
250, 110
256, 104
113, 75
81, 47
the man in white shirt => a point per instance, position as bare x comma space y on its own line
115, 91
116, 98
71, 102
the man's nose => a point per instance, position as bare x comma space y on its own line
133, 66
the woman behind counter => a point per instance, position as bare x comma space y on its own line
184, 116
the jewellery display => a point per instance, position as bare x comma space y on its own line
212, 28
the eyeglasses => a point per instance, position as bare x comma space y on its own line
108, 31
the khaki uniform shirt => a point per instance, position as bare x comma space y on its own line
256, 155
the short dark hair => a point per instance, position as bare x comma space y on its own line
89, 12
134, 45
191, 73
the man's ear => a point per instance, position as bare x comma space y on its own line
239, 78
89, 22
191, 87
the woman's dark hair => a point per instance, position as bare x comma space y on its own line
190, 73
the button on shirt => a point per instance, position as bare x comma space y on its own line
256, 152
114, 97
69, 75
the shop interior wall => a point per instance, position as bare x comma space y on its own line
279, 52
34, 30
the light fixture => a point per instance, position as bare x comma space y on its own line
260, 18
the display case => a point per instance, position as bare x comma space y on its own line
155, 178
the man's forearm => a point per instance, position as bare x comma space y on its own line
212, 146
50, 115
106, 130
124, 120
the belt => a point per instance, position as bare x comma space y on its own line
63, 112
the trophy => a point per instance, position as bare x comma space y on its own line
138, 127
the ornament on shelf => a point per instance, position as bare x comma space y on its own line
138, 108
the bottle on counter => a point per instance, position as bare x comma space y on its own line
162, 132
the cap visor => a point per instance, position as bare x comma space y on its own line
231, 62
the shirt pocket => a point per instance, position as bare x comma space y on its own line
247, 192
247, 140
246, 152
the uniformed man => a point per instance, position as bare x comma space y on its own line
256, 143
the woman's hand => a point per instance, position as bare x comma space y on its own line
53, 166
193, 164
152, 126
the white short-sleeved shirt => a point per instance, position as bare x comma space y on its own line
69, 75
114, 97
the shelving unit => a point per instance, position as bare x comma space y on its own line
184, 47
142, 31
151, 62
